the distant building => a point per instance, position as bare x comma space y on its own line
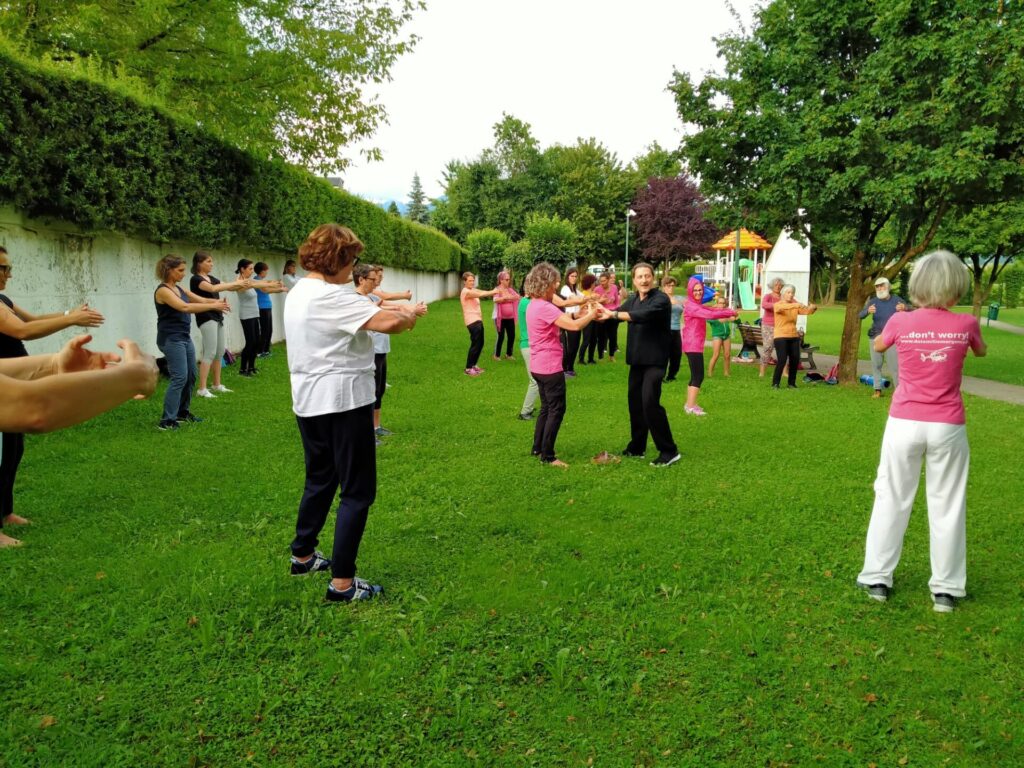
336, 181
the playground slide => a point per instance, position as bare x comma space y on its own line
746, 296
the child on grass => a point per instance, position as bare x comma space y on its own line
721, 338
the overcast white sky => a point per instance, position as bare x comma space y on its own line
569, 68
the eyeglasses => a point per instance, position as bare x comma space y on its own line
5, 268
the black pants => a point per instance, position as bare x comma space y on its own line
251, 330
588, 346
476, 343
675, 355
266, 329
696, 361
570, 347
340, 452
786, 351
380, 377
608, 338
552, 410
646, 413
14, 449
506, 332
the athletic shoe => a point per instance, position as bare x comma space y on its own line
471, 372
879, 592
191, 418
205, 393
943, 603
378, 441
478, 369
382, 432
631, 455
791, 386
316, 563
165, 426
247, 374
877, 394
570, 374
495, 357
526, 416
220, 388
695, 410
663, 461
360, 590
263, 354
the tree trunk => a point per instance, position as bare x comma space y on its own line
979, 296
855, 299
833, 284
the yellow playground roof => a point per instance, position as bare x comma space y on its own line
749, 241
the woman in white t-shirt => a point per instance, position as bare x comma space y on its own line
571, 339
330, 359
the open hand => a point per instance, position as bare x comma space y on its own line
87, 317
135, 356
74, 357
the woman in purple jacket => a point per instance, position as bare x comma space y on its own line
695, 332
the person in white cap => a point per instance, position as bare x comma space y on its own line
882, 306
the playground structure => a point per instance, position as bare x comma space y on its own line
744, 280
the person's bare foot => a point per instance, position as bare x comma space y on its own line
7, 541
559, 463
13, 519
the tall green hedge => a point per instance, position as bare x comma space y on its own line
78, 151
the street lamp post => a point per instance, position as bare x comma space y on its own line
630, 213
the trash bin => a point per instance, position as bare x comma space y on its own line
993, 311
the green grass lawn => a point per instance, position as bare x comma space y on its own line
1004, 361
622, 615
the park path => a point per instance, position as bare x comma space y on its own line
1002, 326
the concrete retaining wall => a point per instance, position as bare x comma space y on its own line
56, 266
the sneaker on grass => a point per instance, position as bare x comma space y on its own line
943, 603
316, 563
879, 592
220, 388
205, 393
382, 432
360, 590
665, 461
165, 426
190, 418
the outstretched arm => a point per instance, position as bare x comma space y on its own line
25, 326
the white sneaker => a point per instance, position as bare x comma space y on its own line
220, 388
205, 393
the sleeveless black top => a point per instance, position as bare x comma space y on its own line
203, 317
170, 323
10, 346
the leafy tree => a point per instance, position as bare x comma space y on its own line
393, 209
281, 78
657, 162
417, 202
987, 238
487, 252
861, 124
672, 220
552, 239
519, 260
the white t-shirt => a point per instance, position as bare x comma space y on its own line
329, 358
567, 293
381, 341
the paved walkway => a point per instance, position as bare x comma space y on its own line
1002, 326
993, 390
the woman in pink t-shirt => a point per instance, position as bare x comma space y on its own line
506, 301
926, 423
470, 298
543, 324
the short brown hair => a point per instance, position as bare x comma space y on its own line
668, 280
328, 249
642, 265
166, 264
467, 274
362, 271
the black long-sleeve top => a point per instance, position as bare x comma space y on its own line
648, 332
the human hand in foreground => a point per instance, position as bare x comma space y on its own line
74, 357
420, 309
86, 317
146, 364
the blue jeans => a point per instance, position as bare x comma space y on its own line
181, 364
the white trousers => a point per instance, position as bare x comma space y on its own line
946, 456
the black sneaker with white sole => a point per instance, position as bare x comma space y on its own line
879, 592
943, 603
665, 461
165, 426
631, 454
316, 563
360, 590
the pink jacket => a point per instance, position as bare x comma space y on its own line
695, 330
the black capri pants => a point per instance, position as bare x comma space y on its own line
696, 362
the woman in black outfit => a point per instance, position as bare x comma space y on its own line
588, 345
571, 339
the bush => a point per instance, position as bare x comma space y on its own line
552, 239
78, 151
519, 259
1013, 286
486, 249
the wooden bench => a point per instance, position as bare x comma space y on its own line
752, 339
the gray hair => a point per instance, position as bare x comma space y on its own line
789, 287
939, 280
539, 280
776, 281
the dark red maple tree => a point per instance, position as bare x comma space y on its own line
671, 219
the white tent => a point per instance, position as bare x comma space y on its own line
792, 262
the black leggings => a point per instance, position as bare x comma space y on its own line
696, 361
608, 338
675, 355
266, 329
506, 330
589, 344
380, 377
14, 449
570, 347
552, 409
476, 343
251, 330
786, 350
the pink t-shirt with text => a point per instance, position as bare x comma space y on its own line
545, 342
470, 307
931, 345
